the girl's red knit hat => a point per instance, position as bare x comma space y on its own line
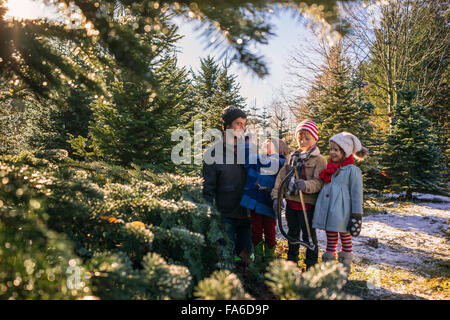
310, 126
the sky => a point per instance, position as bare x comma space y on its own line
290, 32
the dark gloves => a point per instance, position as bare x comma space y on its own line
300, 185
354, 224
296, 185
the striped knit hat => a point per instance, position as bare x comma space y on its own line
310, 126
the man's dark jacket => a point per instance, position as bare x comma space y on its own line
224, 182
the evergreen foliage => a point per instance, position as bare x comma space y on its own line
115, 278
253, 120
265, 120
336, 101
48, 126
123, 220
136, 125
34, 258
323, 281
221, 285
281, 124
120, 28
411, 156
214, 90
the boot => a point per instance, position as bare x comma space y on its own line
311, 257
292, 254
245, 256
242, 260
269, 253
328, 256
259, 252
346, 258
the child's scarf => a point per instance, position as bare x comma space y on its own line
332, 167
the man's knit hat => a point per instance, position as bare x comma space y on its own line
310, 126
232, 113
350, 144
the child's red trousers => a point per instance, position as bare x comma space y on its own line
263, 225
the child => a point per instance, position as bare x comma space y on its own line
260, 181
339, 205
309, 183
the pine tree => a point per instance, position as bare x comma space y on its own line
337, 102
265, 120
253, 117
205, 87
221, 285
136, 125
229, 88
324, 281
279, 120
411, 155
48, 125
283, 129
215, 89
94, 25
14, 100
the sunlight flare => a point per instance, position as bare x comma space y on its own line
25, 9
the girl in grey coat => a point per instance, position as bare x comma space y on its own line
339, 205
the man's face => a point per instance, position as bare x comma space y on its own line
238, 126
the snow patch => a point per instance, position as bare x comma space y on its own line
435, 205
425, 196
400, 238
417, 195
408, 236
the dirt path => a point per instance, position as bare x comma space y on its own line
403, 251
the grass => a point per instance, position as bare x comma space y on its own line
430, 282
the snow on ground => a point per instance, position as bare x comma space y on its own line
406, 236
424, 196
431, 197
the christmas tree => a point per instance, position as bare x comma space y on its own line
214, 89
411, 155
336, 100
136, 124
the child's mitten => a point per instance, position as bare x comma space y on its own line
300, 185
354, 224
296, 185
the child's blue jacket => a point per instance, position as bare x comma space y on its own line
261, 175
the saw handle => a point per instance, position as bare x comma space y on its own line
303, 206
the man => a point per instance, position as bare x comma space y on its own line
224, 181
